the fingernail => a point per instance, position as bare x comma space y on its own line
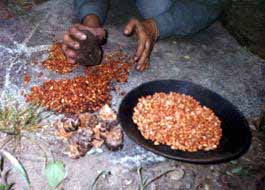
126, 31
76, 46
135, 58
83, 36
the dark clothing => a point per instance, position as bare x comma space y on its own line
173, 17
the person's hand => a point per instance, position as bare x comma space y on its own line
147, 34
70, 43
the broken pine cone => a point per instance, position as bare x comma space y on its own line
88, 120
103, 128
82, 136
61, 133
98, 142
80, 142
71, 123
107, 114
84, 132
75, 153
114, 138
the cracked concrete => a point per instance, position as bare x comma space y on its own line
212, 58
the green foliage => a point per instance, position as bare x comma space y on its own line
55, 173
6, 187
102, 173
236, 170
18, 122
17, 165
143, 181
15, 120
241, 171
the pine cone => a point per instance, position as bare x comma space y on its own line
71, 123
114, 138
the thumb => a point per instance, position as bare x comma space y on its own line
129, 28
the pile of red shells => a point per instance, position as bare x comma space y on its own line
82, 93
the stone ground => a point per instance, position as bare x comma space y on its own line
212, 59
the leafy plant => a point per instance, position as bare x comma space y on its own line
4, 185
55, 173
102, 173
241, 171
17, 165
16, 121
144, 181
237, 170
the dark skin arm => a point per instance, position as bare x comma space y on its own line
146, 32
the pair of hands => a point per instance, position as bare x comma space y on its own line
146, 32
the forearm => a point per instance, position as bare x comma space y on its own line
85, 8
92, 20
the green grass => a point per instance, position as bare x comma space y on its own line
16, 121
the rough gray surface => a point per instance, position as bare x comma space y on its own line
212, 58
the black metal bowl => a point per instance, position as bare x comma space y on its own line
236, 137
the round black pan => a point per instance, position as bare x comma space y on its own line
236, 137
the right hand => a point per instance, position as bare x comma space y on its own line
71, 45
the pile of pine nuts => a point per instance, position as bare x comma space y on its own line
179, 121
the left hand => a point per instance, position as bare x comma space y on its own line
147, 34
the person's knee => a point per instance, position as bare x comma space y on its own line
193, 17
149, 9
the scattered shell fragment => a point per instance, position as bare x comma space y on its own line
107, 114
26, 79
88, 120
61, 133
80, 142
57, 61
71, 123
74, 152
97, 143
